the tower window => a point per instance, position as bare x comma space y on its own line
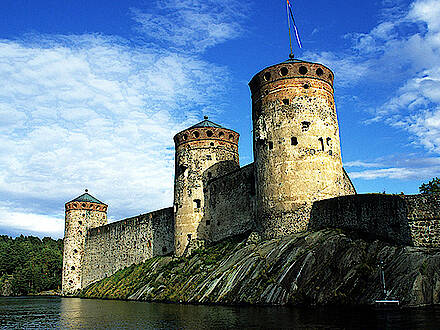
211, 144
83, 205
231, 137
196, 134
221, 134
322, 143
306, 86
319, 72
284, 71
286, 101
209, 133
270, 145
305, 125
197, 203
267, 76
184, 137
303, 70
294, 141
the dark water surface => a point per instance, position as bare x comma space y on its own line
74, 313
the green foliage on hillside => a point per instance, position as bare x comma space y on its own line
30, 265
431, 187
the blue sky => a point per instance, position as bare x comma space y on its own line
93, 92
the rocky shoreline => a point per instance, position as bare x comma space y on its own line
326, 267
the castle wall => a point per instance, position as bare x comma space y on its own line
399, 219
130, 241
230, 205
424, 219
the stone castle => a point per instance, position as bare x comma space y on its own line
296, 183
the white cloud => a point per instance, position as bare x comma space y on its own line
31, 222
398, 167
402, 54
90, 111
192, 25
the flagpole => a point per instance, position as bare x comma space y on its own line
290, 34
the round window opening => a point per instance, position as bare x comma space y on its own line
306, 86
302, 70
211, 144
83, 204
209, 133
231, 137
221, 134
319, 72
267, 76
196, 134
284, 71
184, 137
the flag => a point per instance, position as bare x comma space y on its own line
289, 7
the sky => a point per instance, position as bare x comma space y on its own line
92, 93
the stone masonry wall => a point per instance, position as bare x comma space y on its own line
130, 241
399, 219
229, 209
296, 144
372, 215
424, 219
80, 217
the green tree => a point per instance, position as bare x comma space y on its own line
431, 187
32, 265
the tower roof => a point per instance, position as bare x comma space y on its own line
206, 123
86, 197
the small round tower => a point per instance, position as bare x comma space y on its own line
203, 151
296, 144
82, 213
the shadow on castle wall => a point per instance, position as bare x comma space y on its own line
398, 219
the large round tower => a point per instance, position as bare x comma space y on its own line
203, 151
82, 213
296, 144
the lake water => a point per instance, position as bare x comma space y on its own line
74, 313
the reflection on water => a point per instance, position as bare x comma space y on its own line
73, 313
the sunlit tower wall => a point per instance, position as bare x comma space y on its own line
203, 152
81, 214
296, 144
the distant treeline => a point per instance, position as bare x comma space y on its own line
30, 265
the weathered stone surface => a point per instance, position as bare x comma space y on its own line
400, 219
296, 145
309, 268
80, 217
230, 205
201, 153
130, 241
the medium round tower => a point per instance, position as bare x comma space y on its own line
296, 144
203, 151
82, 213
